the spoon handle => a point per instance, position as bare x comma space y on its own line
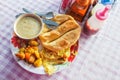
18, 15
27, 11
50, 22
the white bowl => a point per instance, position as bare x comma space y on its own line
28, 15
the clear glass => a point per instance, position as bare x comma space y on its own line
65, 5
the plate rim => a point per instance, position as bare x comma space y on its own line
41, 72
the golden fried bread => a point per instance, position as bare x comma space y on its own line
65, 41
64, 36
72, 36
57, 44
67, 26
49, 36
62, 29
61, 18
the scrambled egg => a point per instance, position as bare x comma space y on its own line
45, 57
49, 69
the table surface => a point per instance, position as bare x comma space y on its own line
98, 57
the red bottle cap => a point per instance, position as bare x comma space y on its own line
103, 13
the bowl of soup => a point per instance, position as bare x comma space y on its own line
28, 26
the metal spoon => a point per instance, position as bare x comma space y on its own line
46, 18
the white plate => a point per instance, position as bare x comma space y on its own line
31, 68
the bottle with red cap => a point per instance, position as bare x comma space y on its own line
65, 4
96, 21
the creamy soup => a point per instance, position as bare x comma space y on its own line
28, 27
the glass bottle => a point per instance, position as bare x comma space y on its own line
96, 21
79, 9
65, 4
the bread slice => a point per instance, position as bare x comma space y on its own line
61, 18
61, 30
64, 36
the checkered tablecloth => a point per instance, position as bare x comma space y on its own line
98, 57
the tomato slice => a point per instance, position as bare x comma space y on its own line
71, 58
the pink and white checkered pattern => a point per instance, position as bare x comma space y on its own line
98, 57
